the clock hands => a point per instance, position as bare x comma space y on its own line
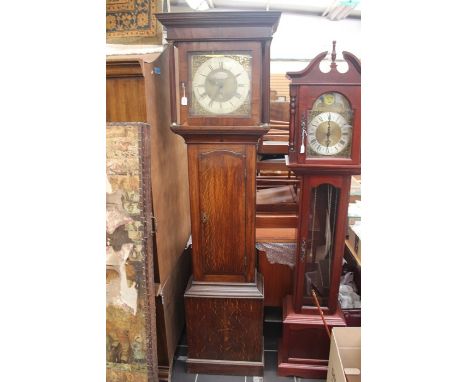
328, 130
220, 92
219, 84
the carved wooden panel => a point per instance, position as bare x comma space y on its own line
226, 324
222, 182
222, 208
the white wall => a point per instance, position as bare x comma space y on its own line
305, 36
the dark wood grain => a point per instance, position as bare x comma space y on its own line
226, 26
224, 304
222, 192
226, 314
222, 183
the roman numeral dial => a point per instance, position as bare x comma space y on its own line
328, 133
221, 84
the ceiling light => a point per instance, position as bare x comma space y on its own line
340, 9
198, 5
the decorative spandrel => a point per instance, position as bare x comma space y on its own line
329, 127
319, 247
221, 84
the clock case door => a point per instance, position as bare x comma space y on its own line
305, 268
184, 53
222, 178
305, 88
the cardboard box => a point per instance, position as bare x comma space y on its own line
354, 215
354, 239
344, 364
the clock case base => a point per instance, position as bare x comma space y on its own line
305, 346
227, 314
224, 367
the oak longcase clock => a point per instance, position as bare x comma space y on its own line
324, 151
220, 105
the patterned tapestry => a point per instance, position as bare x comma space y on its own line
133, 22
130, 310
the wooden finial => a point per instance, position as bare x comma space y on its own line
333, 56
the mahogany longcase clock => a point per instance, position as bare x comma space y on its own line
220, 105
324, 151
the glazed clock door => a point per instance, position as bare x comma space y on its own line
329, 130
222, 83
222, 212
330, 127
321, 244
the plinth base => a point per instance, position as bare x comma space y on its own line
305, 346
225, 327
214, 366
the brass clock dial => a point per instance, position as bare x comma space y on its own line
221, 84
329, 127
328, 133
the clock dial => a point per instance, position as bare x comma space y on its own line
329, 127
328, 133
221, 84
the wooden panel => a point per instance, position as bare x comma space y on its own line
223, 193
170, 206
222, 203
231, 327
265, 220
172, 293
168, 171
125, 99
277, 278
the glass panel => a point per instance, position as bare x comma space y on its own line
321, 242
329, 127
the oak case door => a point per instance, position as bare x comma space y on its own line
220, 218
